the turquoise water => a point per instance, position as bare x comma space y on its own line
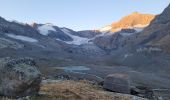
74, 68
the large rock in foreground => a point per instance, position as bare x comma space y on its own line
19, 77
118, 83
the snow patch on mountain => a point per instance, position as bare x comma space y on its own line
139, 27
107, 28
138, 30
22, 38
76, 39
44, 29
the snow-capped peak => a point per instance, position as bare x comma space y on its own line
132, 21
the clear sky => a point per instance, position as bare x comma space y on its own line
77, 14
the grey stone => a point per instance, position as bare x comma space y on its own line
117, 83
142, 91
19, 77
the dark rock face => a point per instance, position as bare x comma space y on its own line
108, 41
88, 33
19, 77
128, 30
117, 83
114, 40
58, 34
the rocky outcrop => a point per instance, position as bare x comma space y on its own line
113, 41
88, 33
107, 42
118, 83
19, 77
59, 35
128, 31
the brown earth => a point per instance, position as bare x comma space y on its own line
78, 90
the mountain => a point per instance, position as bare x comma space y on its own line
60, 40
64, 34
135, 20
148, 50
157, 33
137, 45
46, 41
116, 33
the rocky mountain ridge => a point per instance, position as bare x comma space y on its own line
157, 33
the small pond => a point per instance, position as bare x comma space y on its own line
73, 68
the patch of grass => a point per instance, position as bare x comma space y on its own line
76, 90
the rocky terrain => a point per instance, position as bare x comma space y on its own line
157, 33
130, 56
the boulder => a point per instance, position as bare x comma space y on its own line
117, 83
19, 77
142, 91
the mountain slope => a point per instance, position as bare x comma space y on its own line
116, 33
158, 32
46, 41
148, 51
134, 20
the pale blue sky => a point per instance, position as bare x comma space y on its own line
77, 14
